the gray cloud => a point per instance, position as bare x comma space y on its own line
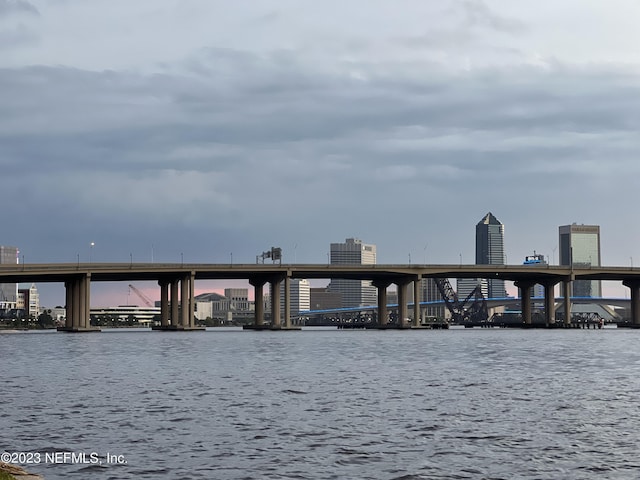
478, 14
20, 35
9, 7
161, 146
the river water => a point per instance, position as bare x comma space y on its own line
324, 404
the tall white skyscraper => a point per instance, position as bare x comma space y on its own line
580, 247
355, 293
299, 296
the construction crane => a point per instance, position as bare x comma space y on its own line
147, 301
475, 313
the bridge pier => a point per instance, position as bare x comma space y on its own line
566, 287
78, 295
287, 302
383, 313
276, 321
276, 288
549, 303
258, 295
525, 300
634, 287
164, 303
403, 306
177, 312
416, 302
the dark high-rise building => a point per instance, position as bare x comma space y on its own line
429, 293
490, 250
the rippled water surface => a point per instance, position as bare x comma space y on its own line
326, 404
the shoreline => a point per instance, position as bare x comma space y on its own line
18, 473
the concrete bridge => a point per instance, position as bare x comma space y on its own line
177, 282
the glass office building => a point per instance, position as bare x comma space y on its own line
490, 250
580, 247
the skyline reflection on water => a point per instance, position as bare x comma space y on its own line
326, 404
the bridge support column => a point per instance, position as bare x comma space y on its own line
85, 287
416, 301
525, 301
549, 304
185, 302
276, 282
383, 313
634, 287
78, 315
403, 307
181, 309
258, 295
175, 303
287, 302
164, 303
75, 301
566, 288
68, 320
276, 322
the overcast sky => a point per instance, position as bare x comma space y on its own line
205, 129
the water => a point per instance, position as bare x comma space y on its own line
326, 404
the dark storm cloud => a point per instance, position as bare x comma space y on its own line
245, 142
113, 119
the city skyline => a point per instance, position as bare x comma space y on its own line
489, 231
282, 123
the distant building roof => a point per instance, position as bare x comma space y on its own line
209, 297
489, 219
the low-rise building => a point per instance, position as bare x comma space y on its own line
233, 305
